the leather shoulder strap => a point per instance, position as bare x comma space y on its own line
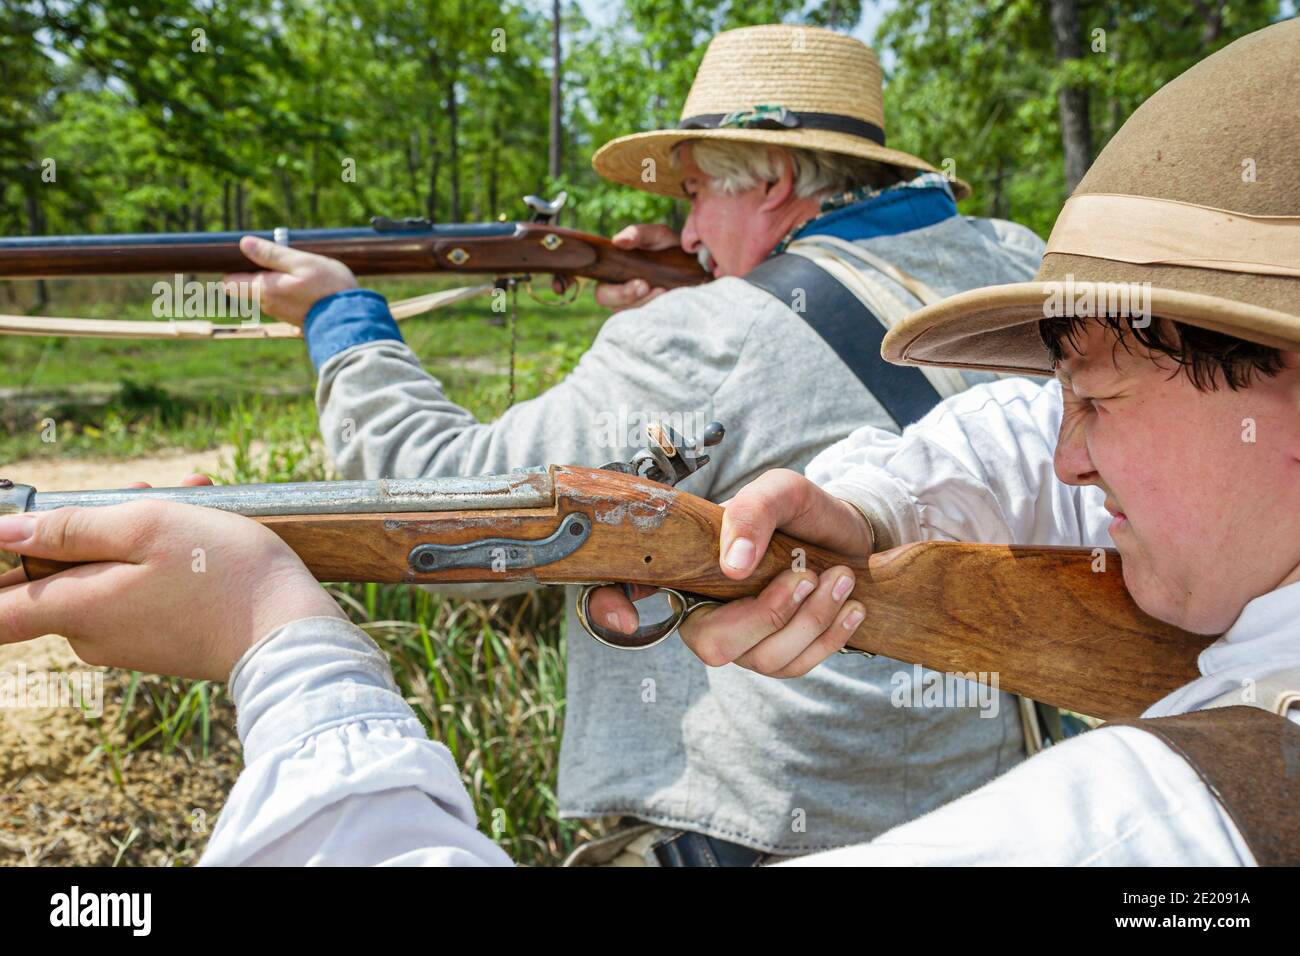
850, 329
1249, 758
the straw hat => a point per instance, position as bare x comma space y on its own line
1198, 194
776, 84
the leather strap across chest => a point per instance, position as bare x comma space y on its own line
1249, 758
850, 329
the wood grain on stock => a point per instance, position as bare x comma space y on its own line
1040, 618
577, 253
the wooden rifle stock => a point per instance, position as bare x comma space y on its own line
1054, 624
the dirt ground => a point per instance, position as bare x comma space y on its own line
73, 474
60, 800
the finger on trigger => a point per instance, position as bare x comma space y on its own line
610, 607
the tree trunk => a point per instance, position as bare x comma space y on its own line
314, 206
999, 205
453, 141
1211, 14
494, 163
286, 189
557, 65
413, 168
225, 206
240, 224
1076, 128
435, 161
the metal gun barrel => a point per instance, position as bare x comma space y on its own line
519, 489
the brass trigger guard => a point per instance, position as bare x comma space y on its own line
683, 605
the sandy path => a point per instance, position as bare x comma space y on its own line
78, 474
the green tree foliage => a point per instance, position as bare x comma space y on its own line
975, 83
202, 114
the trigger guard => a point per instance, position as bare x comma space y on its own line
643, 637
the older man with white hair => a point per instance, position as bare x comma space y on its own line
819, 237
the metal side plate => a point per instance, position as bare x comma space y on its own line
503, 554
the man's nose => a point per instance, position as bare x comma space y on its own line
1072, 461
690, 235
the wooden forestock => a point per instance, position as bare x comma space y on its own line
1054, 624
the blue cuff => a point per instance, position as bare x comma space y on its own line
345, 319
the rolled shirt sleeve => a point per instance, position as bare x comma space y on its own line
338, 769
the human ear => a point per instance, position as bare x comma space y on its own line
781, 190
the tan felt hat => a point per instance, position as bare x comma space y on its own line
1192, 210
776, 84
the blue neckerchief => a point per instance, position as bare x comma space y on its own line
915, 204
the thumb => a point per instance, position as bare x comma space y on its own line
82, 535
775, 499
271, 255
652, 236
787, 500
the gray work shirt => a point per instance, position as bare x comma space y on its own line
785, 766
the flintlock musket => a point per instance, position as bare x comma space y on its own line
508, 252
1054, 624
385, 247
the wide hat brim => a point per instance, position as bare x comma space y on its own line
644, 160
996, 328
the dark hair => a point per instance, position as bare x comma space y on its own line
1201, 354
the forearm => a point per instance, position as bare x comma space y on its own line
338, 769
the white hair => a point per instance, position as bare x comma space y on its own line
734, 167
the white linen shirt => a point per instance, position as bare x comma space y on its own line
340, 771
